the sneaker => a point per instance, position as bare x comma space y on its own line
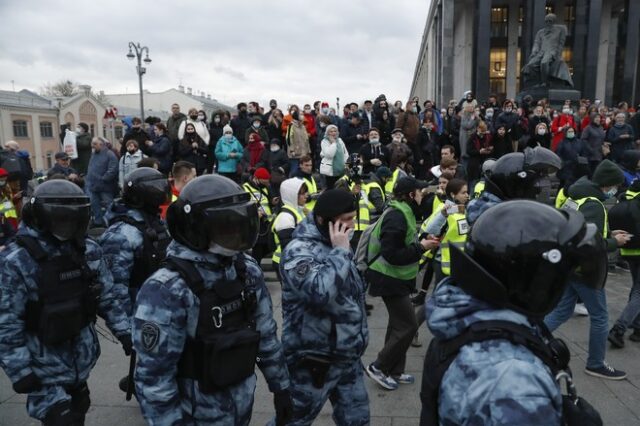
580, 310
606, 372
635, 336
616, 338
416, 342
405, 379
382, 379
418, 299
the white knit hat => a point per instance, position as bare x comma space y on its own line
226, 129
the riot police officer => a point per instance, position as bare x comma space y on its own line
203, 320
53, 282
515, 175
135, 243
491, 356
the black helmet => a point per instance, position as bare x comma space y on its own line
516, 175
214, 209
520, 254
145, 188
60, 208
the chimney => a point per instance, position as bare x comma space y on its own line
189, 91
181, 88
85, 88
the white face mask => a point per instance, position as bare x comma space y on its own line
216, 120
256, 124
274, 148
200, 117
217, 249
78, 130
566, 111
542, 132
325, 111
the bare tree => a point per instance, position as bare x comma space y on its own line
102, 98
62, 88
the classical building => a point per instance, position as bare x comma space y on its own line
482, 45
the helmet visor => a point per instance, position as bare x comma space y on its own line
234, 228
591, 254
66, 221
156, 191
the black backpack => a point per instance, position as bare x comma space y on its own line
11, 163
555, 355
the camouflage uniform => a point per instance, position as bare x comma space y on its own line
494, 381
166, 306
480, 205
60, 368
324, 314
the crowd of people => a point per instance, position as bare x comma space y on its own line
344, 203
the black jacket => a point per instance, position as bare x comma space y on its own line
392, 235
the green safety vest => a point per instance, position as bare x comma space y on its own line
260, 198
312, 188
401, 272
561, 197
630, 195
456, 235
478, 188
571, 204
298, 218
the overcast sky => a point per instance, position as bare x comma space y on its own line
291, 50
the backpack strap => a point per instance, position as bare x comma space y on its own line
188, 272
32, 246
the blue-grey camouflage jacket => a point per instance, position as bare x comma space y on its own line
322, 298
480, 205
493, 382
22, 353
167, 305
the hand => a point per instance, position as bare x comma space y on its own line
194, 145
29, 383
339, 235
376, 162
622, 237
148, 143
72, 176
284, 407
421, 162
428, 243
232, 155
606, 149
127, 345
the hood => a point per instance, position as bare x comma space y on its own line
119, 209
289, 190
308, 229
585, 188
630, 160
450, 311
22, 153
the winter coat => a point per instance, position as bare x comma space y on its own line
275, 161
201, 130
161, 151
349, 135
328, 152
103, 171
592, 211
618, 144
297, 141
474, 144
225, 147
240, 124
369, 151
495, 381
593, 136
573, 167
173, 124
409, 122
468, 125
127, 164
138, 135
83, 145
556, 128
199, 156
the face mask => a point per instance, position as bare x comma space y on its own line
351, 234
323, 125
508, 110
571, 135
216, 249
566, 111
200, 117
79, 130
273, 106
307, 111
489, 115
295, 115
256, 124
131, 151
193, 117
325, 111
216, 120
374, 141
274, 148
611, 193
414, 109
397, 138
228, 137
542, 132
3, 183
537, 114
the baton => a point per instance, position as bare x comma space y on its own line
132, 367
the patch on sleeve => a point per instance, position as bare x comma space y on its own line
302, 269
150, 333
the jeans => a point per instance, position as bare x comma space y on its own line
629, 316
596, 303
100, 201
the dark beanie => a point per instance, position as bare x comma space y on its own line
334, 202
607, 174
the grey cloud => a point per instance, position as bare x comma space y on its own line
230, 72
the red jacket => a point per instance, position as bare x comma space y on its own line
556, 128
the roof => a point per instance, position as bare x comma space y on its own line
135, 112
25, 99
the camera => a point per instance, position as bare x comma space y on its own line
355, 168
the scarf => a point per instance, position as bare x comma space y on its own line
255, 150
338, 159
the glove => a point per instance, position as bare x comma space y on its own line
127, 345
29, 383
284, 407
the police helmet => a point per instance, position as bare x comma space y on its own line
145, 188
60, 208
214, 209
520, 254
516, 175
488, 166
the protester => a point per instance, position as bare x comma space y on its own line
229, 155
196, 119
101, 180
193, 148
159, 148
334, 156
129, 161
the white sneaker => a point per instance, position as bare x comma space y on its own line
580, 310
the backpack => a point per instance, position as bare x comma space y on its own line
11, 163
625, 215
361, 255
555, 355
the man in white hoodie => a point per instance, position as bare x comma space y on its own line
293, 193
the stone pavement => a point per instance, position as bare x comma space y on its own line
616, 401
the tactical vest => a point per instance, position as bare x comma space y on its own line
224, 350
401, 272
456, 235
286, 209
67, 295
363, 215
561, 198
388, 187
155, 239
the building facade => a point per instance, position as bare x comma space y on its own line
481, 45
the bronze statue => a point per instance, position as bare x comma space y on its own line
546, 67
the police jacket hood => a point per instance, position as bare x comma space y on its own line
119, 209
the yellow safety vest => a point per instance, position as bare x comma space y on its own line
312, 188
571, 204
388, 187
478, 188
261, 199
363, 218
561, 197
298, 218
456, 235
367, 187
8, 210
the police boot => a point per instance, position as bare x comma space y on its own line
61, 414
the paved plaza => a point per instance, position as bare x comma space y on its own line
616, 401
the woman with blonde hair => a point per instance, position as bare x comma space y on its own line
334, 156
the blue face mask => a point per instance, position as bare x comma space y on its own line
611, 193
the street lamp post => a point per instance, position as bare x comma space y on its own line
133, 47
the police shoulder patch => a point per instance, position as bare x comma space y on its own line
150, 334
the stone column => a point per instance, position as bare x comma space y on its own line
630, 75
481, 51
512, 48
447, 53
591, 50
533, 21
579, 43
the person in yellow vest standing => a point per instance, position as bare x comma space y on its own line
373, 186
293, 193
305, 172
587, 196
258, 188
8, 214
363, 214
395, 252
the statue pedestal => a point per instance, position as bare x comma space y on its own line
555, 97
